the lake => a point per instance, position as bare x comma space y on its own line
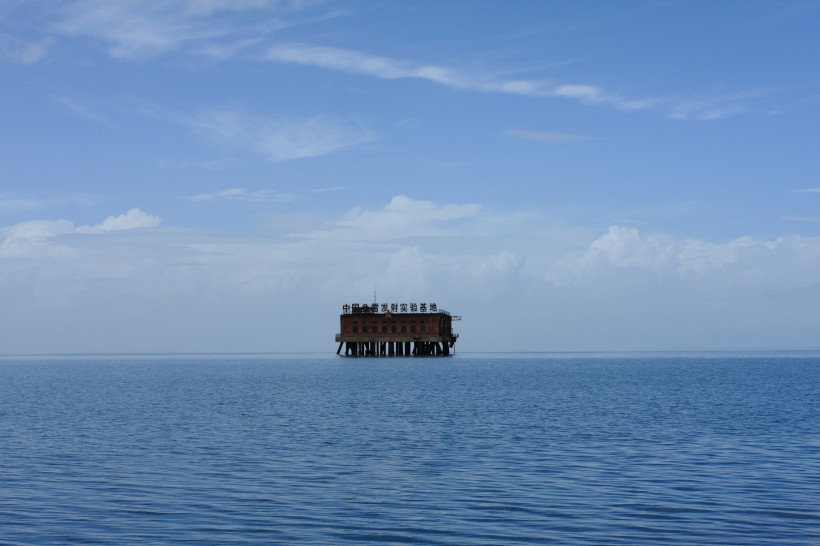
673, 448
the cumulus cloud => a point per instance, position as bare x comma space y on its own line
34, 238
498, 265
28, 239
408, 273
401, 217
199, 291
133, 219
625, 248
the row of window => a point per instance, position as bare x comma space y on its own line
393, 327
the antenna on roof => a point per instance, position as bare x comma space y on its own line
374, 296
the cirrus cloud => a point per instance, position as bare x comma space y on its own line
243, 194
16, 50
135, 30
545, 136
276, 139
356, 62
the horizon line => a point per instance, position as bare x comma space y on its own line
332, 354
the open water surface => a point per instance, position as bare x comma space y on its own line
493, 449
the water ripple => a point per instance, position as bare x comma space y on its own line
462, 451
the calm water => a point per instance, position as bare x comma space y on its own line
533, 449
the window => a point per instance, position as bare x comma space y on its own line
393, 327
355, 326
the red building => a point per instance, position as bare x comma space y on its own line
395, 330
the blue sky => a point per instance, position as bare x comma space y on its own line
208, 175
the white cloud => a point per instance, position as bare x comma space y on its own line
210, 7
84, 109
38, 230
8, 203
802, 218
222, 30
16, 203
133, 219
545, 136
207, 164
502, 264
402, 217
133, 30
34, 239
704, 110
356, 62
623, 247
16, 50
627, 248
136, 30
242, 194
408, 272
808, 190
218, 51
703, 105
329, 189
281, 290
29, 239
275, 139
714, 104
318, 136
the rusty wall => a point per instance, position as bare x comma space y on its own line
403, 323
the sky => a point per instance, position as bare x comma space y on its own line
223, 176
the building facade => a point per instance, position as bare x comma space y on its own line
395, 330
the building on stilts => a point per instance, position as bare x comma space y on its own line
396, 330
